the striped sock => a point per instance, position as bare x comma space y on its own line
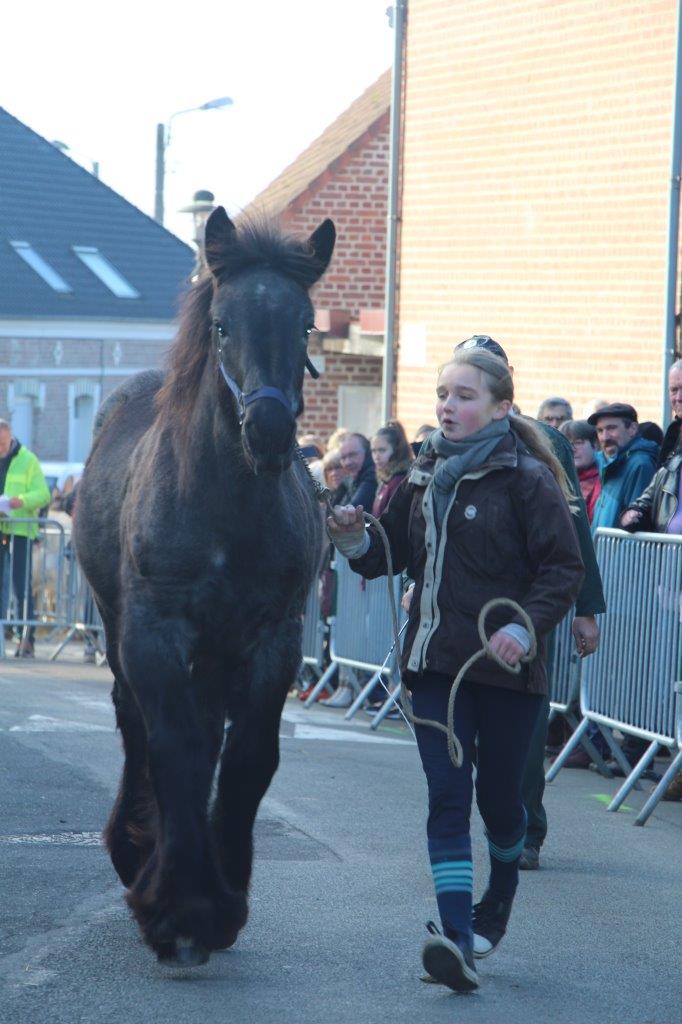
453, 879
505, 852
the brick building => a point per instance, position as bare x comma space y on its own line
88, 293
536, 173
343, 175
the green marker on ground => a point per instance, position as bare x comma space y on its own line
604, 798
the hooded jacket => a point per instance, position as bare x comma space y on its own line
623, 479
507, 532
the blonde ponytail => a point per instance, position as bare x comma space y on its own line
539, 447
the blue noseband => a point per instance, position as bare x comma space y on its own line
245, 400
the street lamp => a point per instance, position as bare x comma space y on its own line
201, 207
163, 135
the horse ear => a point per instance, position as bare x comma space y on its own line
322, 244
218, 237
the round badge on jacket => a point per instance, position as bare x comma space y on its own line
470, 512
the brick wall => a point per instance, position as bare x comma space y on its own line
321, 396
535, 195
29, 356
354, 193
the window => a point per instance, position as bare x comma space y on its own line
22, 420
84, 398
106, 272
359, 408
41, 267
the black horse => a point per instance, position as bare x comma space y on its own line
200, 535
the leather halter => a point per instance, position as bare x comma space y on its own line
245, 400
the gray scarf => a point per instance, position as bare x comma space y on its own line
460, 457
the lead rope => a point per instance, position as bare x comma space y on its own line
454, 746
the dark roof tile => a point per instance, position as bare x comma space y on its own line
53, 203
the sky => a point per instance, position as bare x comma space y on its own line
99, 77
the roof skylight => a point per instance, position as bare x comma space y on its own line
42, 268
106, 272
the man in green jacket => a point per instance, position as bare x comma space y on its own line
23, 486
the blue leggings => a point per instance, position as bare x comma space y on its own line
502, 721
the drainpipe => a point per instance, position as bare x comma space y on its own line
669, 345
398, 16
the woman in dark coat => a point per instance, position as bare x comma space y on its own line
483, 513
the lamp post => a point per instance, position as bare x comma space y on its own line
201, 207
163, 136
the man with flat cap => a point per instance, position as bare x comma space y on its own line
626, 461
589, 603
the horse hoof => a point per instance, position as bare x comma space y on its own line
188, 953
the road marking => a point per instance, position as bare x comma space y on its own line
604, 798
43, 723
55, 839
315, 732
94, 705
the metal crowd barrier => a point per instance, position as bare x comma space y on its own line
41, 587
632, 682
360, 632
564, 674
314, 630
83, 618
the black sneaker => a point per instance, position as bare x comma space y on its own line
448, 963
490, 918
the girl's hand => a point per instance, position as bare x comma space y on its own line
406, 599
506, 648
346, 520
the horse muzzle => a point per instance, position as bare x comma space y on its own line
268, 436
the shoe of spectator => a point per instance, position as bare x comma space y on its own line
448, 963
578, 759
674, 790
394, 713
342, 698
304, 694
25, 649
530, 859
648, 775
490, 918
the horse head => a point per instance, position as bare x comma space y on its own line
261, 319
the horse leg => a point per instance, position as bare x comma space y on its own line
251, 755
179, 899
130, 832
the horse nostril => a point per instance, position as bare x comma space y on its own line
269, 429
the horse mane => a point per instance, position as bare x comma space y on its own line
253, 243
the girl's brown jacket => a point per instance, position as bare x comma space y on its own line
508, 532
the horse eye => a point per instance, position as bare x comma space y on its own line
219, 328
308, 331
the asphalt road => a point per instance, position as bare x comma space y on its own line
340, 893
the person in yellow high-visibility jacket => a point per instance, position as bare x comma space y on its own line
23, 486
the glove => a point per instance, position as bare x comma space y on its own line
349, 538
